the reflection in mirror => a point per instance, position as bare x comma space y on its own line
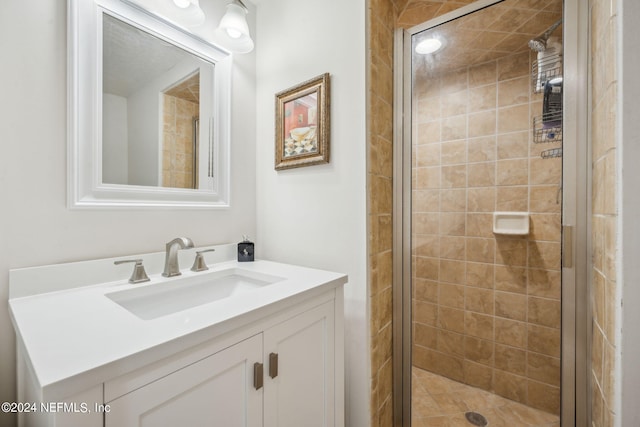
151, 109
180, 123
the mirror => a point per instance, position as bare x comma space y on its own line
152, 127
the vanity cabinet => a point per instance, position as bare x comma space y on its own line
272, 356
283, 376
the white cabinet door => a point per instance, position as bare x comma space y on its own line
215, 391
302, 392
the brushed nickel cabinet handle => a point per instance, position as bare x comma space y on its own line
273, 365
257, 375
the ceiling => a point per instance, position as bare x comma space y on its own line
489, 34
188, 89
496, 31
131, 57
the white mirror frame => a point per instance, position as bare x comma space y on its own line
84, 157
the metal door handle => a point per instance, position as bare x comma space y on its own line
567, 246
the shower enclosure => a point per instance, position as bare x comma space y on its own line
489, 134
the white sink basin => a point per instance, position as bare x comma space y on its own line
178, 294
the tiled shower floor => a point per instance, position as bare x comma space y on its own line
441, 402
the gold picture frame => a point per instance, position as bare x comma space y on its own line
303, 124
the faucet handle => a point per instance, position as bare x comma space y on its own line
198, 263
138, 275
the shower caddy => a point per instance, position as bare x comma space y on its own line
546, 74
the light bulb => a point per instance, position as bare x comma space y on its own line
234, 33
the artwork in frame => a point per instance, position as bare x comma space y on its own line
302, 124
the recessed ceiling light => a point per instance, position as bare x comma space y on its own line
428, 46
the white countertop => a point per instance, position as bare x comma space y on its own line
77, 338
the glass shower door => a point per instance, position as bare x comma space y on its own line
486, 126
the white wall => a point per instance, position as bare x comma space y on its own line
145, 139
36, 228
115, 160
316, 216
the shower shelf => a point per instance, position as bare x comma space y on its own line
552, 153
547, 128
545, 69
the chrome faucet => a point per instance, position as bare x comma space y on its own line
171, 267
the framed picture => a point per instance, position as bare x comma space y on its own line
302, 124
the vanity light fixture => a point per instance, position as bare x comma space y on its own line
428, 46
232, 33
233, 28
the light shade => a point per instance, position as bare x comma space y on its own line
234, 30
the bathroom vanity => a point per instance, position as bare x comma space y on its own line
241, 344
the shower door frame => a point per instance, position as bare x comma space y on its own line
576, 205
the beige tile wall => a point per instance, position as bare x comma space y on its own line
604, 21
414, 12
486, 307
177, 142
381, 18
